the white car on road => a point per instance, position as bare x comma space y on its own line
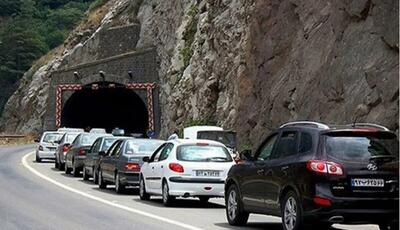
185, 168
47, 145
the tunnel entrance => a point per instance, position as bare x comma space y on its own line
106, 107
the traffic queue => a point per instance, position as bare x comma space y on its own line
306, 172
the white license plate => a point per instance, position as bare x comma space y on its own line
363, 182
207, 173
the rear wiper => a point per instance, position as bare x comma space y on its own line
382, 157
216, 158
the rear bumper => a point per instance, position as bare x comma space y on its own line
179, 186
79, 161
47, 154
129, 178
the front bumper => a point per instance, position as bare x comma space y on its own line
182, 186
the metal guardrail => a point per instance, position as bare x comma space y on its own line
12, 136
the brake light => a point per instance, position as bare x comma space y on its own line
132, 167
322, 201
65, 149
40, 148
82, 152
325, 167
176, 167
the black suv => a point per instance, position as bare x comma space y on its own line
311, 173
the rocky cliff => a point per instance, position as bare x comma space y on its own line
245, 65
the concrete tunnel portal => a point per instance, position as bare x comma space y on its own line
107, 108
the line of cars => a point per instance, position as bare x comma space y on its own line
308, 173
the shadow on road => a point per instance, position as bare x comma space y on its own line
269, 226
111, 190
182, 203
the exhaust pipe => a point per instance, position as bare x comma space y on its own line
336, 219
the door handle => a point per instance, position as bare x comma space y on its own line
260, 171
284, 168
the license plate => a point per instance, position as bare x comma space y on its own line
207, 173
362, 182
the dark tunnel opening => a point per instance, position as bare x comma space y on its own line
106, 108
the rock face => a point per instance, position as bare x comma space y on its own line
247, 65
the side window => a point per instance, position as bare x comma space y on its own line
95, 146
306, 143
266, 149
166, 151
116, 149
156, 154
76, 140
287, 144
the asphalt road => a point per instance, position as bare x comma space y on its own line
37, 196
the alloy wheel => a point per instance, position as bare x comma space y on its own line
232, 204
290, 213
165, 193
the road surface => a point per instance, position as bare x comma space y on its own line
37, 196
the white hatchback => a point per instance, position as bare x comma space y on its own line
185, 168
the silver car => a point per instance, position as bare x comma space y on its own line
47, 145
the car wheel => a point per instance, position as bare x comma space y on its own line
75, 170
67, 170
292, 218
38, 159
61, 166
234, 208
389, 226
84, 174
56, 164
204, 199
95, 176
168, 200
102, 183
142, 190
119, 188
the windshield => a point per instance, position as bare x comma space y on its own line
226, 138
88, 139
52, 137
203, 153
71, 137
361, 148
107, 144
143, 147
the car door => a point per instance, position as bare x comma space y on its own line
151, 178
252, 178
160, 165
280, 168
92, 153
107, 163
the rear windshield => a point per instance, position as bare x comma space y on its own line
142, 147
362, 147
226, 138
52, 137
89, 139
107, 144
198, 153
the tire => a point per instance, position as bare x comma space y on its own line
95, 176
75, 171
56, 164
142, 190
66, 169
204, 199
84, 174
102, 183
119, 188
235, 212
61, 166
389, 226
38, 159
168, 200
291, 211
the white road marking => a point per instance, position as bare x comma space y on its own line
104, 201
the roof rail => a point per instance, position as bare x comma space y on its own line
317, 124
369, 125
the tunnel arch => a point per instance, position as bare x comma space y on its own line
105, 107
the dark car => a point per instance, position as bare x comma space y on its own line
311, 173
76, 154
121, 165
99, 148
63, 147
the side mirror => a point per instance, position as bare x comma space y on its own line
102, 153
146, 159
246, 155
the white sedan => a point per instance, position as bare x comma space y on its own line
185, 168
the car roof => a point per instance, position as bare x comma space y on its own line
194, 142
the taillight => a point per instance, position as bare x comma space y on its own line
325, 167
176, 167
82, 152
65, 149
40, 148
132, 167
322, 201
